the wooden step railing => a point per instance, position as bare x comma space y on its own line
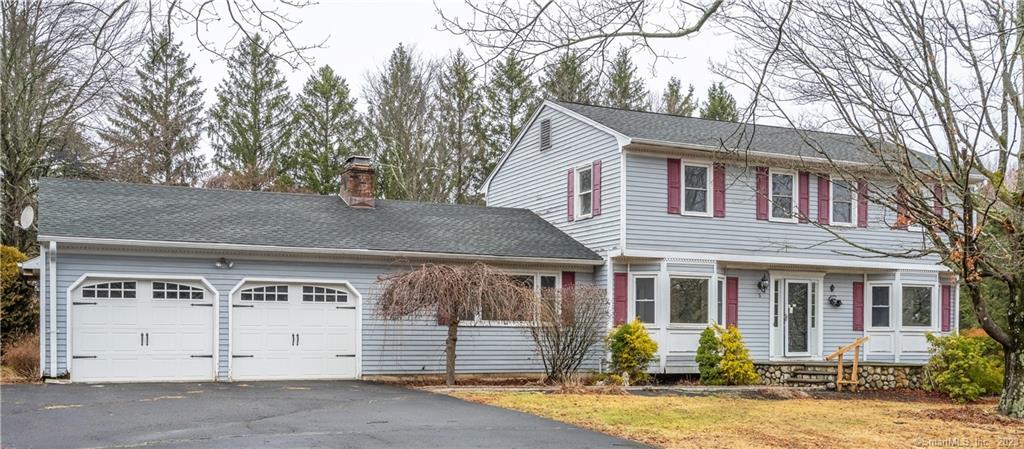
855, 346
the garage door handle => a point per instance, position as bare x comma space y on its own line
201, 305
242, 356
84, 357
346, 307
293, 339
202, 356
296, 339
344, 355
83, 303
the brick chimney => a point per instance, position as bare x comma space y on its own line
357, 187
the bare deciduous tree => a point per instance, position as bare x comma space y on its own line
933, 91
569, 324
451, 293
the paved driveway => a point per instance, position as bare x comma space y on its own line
268, 414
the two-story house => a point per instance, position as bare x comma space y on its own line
145, 283
704, 221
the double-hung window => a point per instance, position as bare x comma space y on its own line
696, 184
720, 302
688, 300
917, 306
881, 304
544, 285
844, 203
783, 194
584, 192
643, 299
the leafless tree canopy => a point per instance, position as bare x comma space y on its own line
934, 91
570, 324
534, 28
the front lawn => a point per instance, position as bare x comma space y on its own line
733, 422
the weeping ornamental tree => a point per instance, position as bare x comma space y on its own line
451, 293
935, 92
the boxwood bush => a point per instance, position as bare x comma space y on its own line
965, 367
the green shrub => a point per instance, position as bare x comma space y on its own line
709, 357
736, 366
965, 368
632, 350
19, 311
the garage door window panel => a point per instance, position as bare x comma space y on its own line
314, 293
110, 290
269, 293
170, 290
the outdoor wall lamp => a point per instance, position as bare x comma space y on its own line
762, 285
832, 299
224, 263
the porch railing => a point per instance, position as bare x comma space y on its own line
838, 354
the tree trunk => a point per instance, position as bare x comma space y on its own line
449, 349
1011, 402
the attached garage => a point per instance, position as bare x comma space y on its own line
130, 329
290, 329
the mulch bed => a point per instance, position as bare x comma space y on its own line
968, 414
895, 395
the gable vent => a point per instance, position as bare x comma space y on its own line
545, 134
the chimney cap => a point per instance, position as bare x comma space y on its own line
360, 160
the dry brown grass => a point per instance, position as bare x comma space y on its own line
21, 360
730, 422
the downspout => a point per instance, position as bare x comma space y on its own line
42, 311
52, 259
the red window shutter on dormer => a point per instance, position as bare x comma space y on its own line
804, 205
595, 185
858, 306
823, 199
718, 181
569, 206
762, 193
673, 186
621, 297
862, 204
732, 301
947, 308
937, 202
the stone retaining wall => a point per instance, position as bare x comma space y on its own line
871, 377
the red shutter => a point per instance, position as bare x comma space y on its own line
937, 202
570, 208
732, 301
762, 193
805, 196
823, 199
595, 186
902, 217
673, 186
621, 297
947, 308
442, 317
858, 306
862, 203
568, 284
718, 181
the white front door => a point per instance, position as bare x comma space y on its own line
140, 330
293, 331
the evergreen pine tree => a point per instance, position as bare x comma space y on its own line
720, 104
250, 125
675, 103
511, 98
460, 136
155, 130
569, 79
625, 90
399, 123
328, 129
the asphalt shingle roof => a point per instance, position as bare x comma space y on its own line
713, 133
95, 209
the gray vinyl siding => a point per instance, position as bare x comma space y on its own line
536, 180
839, 320
753, 313
389, 347
650, 227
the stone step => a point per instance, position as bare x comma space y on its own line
794, 380
806, 372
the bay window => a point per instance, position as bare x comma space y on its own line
917, 306
688, 300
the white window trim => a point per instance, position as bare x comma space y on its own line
711, 300
832, 206
478, 320
719, 318
631, 306
708, 193
771, 196
577, 192
869, 304
935, 314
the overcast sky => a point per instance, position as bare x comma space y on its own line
360, 36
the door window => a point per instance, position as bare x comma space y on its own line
798, 308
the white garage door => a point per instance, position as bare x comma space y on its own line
293, 331
141, 330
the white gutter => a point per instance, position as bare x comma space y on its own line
781, 260
314, 250
42, 311
53, 308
